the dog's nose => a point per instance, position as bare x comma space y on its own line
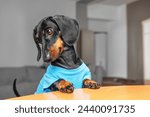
46, 56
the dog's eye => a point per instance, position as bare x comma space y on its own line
49, 31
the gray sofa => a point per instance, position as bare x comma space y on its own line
28, 78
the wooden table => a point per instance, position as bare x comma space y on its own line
132, 92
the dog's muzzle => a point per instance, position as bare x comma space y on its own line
45, 49
46, 56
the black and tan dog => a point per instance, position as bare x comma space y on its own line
55, 37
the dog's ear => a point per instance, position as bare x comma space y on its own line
69, 29
37, 42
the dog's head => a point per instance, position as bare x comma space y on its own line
52, 34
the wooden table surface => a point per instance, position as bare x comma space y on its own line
132, 92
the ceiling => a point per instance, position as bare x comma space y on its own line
107, 2
114, 2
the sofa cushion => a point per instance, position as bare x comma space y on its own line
27, 88
28, 78
34, 73
6, 92
7, 75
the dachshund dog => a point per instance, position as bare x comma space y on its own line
55, 37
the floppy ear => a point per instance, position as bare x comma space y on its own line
69, 29
37, 42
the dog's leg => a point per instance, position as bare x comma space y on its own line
87, 83
62, 86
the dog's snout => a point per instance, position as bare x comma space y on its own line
46, 56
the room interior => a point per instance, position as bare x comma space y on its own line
113, 41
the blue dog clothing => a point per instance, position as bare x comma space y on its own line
54, 73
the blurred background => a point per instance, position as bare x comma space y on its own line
114, 40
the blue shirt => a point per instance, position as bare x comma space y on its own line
54, 73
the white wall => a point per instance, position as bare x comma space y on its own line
98, 11
117, 45
111, 19
101, 50
98, 25
146, 47
17, 20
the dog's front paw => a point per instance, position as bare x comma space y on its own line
65, 86
87, 83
